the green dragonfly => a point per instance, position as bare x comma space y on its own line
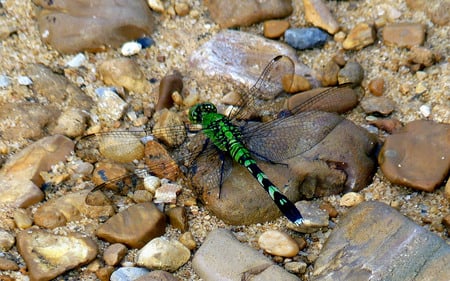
232, 137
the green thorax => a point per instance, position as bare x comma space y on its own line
219, 129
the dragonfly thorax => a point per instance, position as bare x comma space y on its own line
197, 112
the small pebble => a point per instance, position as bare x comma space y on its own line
297, 267
351, 199
352, 72
378, 105
404, 34
295, 83
156, 5
340, 36
317, 13
163, 254
128, 273
114, 253
4, 81
305, 38
146, 42
6, 240
110, 104
332, 212
330, 74
181, 9
140, 196
376, 86
130, 48
420, 88
187, 239
178, 218
104, 273
425, 110
167, 193
24, 80
6, 264
359, 37
169, 84
152, 183
278, 243
275, 28
22, 219
76, 61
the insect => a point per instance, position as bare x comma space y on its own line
232, 136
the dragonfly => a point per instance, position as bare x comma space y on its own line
227, 138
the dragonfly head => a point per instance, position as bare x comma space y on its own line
197, 111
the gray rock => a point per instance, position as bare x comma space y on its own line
352, 72
128, 273
305, 38
315, 217
375, 242
235, 261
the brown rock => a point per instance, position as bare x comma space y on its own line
360, 36
419, 146
404, 34
71, 123
160, 162
352, 72
48, 255
181, 9
104, 273
178, 218
6, 264
169, 119
388, 125
126, 227
20, 176
243, 13
330, 74
275, 28
295, 83
124, 72
376, 86
187, 239
158, 275
114, 253
378, 105
317, 13
99, 24
105, 172
22, 218
332, 212
70, 207
423, 56
169, 84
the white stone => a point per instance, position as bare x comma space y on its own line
425, 110
156, 5
76, 61
24, 80
278, 243
151, 183
162, 254
130, 48
110, 105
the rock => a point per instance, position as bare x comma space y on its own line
329, 75
178, 218
375, 242
422, 56
6, 240
20, 175
376, 86
314, 217
48, 255
110, 105
237, 13
76, 61
104, 273
446, 221
5, 81
22, 219
352, 72
124, 72
163, 254
388, 125
167, 193
296, 267
318, 14
182, 9
128, 273
70, 207
378, 105
6, 264
168, 85
351, 199
56, 88
241, 57
28, 120
360, 36
105, 172
71, 123
130, 48
167, 119
278, 243
187, 239
236, 261
305, 38
99, 24
160, 162
6, 29
114, 253
436, 10
404, 34
332, 212
158, 275
126, 227
295, 83
275, 28
419, 146
156, 5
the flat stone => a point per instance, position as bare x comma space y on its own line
243, 13
375, 242
126, 227
404, 34
360, 36
419, 146
48, 255
378, 105
241, 57
100, 24
163, 254
278, 243
275, 28
236, 261
128, 273
158, 275
315, 218
124, 72
70, 207
318, 14
20, 176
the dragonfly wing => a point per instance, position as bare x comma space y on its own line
288, 137
268, 86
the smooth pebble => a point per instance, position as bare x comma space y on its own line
278, 243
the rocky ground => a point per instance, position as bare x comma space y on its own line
53, 82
